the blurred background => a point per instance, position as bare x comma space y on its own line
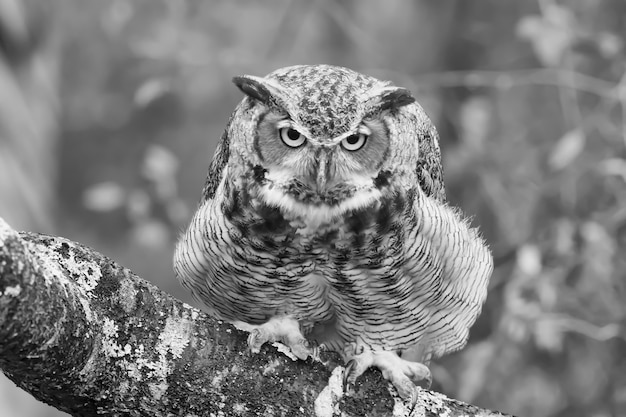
110, 111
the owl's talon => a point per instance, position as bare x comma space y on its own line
426, 381
314, 350
348, 378
257, 338
404, 375
354, 369
412, 396
285, 330
349, 388
406, 389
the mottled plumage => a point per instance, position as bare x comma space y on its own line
324, 221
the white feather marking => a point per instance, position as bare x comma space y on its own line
315, 216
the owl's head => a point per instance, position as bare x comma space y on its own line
327, 137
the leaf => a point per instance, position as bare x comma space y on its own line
475, 119
567, 149
152, 234
104, 196
150, 91
548, 335
159, 163
613, 166
610, 45
550, 34
529, 260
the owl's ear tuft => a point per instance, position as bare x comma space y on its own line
253, 87
395, 98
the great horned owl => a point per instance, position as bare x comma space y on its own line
324, 222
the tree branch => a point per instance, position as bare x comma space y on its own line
87, 336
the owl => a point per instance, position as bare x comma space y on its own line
323, 224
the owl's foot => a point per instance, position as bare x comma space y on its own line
403, 374
285, 330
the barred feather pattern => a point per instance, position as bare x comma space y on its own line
403, 273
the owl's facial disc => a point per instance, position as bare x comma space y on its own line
321, 141
319, 170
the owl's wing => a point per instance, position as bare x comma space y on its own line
220, 159
456, 265
429, 169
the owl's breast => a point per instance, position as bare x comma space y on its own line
250, 260
317, 233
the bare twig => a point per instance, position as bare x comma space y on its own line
534, 76
621, 93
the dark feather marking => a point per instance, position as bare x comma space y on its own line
272, 275
385, 154
241, 231
341, 258
397, 229
305, 194
327, 238
231, 206
395, 99
270, 221
382, 180
358, 240
383, 219
244, 197
399, 203
256, 261
429, 170
289, 283
220, 159
358, 221
259, 174
257, 131
284, 253
257, 245
411, 194
376, 258
270, 243
253, 88
343, 284
377, 239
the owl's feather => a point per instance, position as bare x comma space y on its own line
371, 260
216, 167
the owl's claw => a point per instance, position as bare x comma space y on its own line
285, 330
404, 375
354, 369
256, 339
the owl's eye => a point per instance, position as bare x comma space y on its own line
354, 142
291, 137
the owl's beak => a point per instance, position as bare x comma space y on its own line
322, 169
320, 180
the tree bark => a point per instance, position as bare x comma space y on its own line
88, 336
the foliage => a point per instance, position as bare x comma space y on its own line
530, 100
